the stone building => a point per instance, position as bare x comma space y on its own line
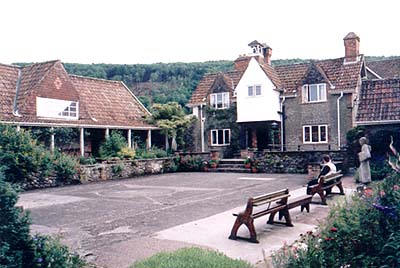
292, 107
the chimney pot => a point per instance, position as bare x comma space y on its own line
352, 47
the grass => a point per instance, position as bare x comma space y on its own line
191, 258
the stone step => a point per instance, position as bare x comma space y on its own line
234, 170
222, 165
231, 161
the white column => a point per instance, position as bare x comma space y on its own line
18, 128
107, 133
148, 142
129, 138
82, 141
52, 142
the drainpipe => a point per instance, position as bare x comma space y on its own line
338, 118
201, 128
282, 118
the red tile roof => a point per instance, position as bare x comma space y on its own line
343, 77
389, 68
379, 101
102, 103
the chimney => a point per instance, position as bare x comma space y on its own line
352, 47
267, 53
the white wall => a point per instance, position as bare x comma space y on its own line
256, 108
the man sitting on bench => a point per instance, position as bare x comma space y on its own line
327, 169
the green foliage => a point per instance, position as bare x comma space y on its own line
117, 169
16, 248
191, 258
191, 163
49, 252
112, 145
171, 118
21, 157
87, 160
127, 153
148, 154
360, 233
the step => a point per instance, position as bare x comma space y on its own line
231, 161
233, 170
222, 165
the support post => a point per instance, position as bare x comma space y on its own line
82, 141
18, 128
129, 138
148, 141
52, 141
107, 133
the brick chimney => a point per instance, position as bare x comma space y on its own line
267, 51
352, 47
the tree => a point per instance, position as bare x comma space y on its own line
172, 119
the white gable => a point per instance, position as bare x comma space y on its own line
264, 103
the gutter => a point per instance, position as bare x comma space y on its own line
15, 108
282, 118
338, 118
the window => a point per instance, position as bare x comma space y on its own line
315, 134
254, 90
53, 108
314, 93
219, 100
220, 137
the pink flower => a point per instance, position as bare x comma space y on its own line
396, 187
382, 193
333, 229
368, 192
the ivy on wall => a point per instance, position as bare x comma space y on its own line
222, 119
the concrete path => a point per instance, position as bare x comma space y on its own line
115, 223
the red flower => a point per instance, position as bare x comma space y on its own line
328, 238
333, 229
368, 192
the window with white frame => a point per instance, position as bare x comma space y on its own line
219, 100
54, 108
220, 137
314, 93
254, 90
315, 134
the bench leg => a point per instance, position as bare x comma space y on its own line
252, 230
340, 186
287, 217
323, 197
306, 206
235, 228
272, 216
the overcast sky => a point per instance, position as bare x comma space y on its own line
149, 31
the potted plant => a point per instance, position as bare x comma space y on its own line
247, 162
205, 166
213, 163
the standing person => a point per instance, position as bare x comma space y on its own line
364, 156
327, 169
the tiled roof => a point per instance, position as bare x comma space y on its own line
272, 74
110, 102
343, 77
204, 87
389, 68
8, 82
379, 100
101, 102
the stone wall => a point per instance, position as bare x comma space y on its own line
110, 170
298, 161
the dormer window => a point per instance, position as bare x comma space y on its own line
54, 108
219, 100
314, 93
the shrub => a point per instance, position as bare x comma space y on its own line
87, 160
191, 258
148, 154
112, 145
18, 248
126, 152
65, 167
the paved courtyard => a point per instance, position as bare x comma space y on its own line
114, 223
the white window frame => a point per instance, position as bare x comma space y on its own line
320, 93
223, 131
224, 100
310, 140
253, 89
55, 108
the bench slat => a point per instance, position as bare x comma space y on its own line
262, 202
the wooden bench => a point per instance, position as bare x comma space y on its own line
325, 184
260, 206
302, 201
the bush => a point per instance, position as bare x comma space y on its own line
191, 258
149, 154
65, 168
126, 152
18, 248
113, 145
87, 160
360, 233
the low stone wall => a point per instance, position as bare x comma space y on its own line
110, 170
298, 161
